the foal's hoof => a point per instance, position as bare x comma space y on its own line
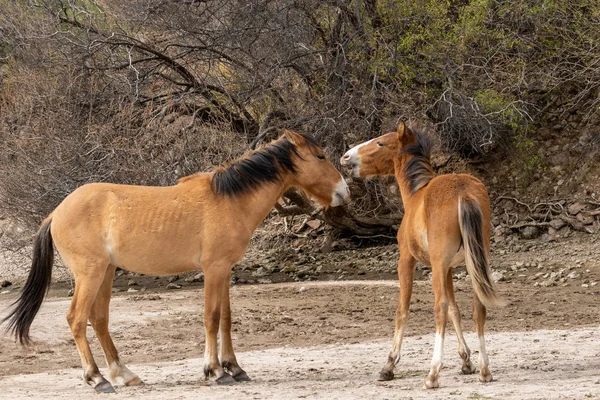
468, 368
386, 375
241, 377
431, 383
134, 382
104, 387
225, 379
485, 378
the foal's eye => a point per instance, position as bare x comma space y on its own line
321, 156
379, 144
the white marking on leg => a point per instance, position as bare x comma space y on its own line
437, 362
118, 370
483, 357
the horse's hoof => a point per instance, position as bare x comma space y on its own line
386, 375
241, 377
485, 378
104, 387
134, 382
468, 368
225, 379
431, 383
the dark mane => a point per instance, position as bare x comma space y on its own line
265, 165
418, 170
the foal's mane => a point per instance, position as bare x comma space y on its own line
418, 170
268, 164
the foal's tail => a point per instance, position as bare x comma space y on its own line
470, 220
38, 282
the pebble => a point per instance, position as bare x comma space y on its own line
302, 289
173, 278
5, 283
132, 290
132, 283
574, 275
174, 286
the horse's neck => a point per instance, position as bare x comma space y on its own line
258, 204
403, 184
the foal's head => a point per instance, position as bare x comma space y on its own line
376, 156
315, 174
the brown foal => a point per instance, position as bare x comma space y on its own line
446, 223
204, 222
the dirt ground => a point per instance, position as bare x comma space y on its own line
328, 341
331, 339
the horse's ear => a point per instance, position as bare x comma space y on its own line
401, 130
295, 138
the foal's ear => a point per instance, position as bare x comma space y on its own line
295, 138
401, 129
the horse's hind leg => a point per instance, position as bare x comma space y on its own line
228, 359
454, 314
406, 273
88, 278
479, 314
99, 320
439, 273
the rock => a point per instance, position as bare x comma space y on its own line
174, 286
302, 289
5, 283
173, 278
132, 290
498, 276
196, 278
585, 219
132, 283
576, 208
574, 275
530, 232
71, 292
314, 223
585, 285
260, 272
557, 224
115, 290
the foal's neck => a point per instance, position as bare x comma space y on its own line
403, 183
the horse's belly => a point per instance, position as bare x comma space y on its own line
157, 259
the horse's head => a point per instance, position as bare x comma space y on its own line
315, 174
376, 156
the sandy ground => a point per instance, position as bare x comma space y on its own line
327, 342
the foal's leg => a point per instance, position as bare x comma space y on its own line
439, 273
406, 273
228, 360
479, 313
454, 314
88, 278
99, 320
215, 279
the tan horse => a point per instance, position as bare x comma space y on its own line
204, 222
446, 222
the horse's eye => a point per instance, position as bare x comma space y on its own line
379, 144
321, 156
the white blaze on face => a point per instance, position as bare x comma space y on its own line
352, 158
341, 193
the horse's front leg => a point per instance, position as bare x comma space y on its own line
215, 279
228, 359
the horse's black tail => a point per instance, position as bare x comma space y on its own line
470, 220
27, 306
